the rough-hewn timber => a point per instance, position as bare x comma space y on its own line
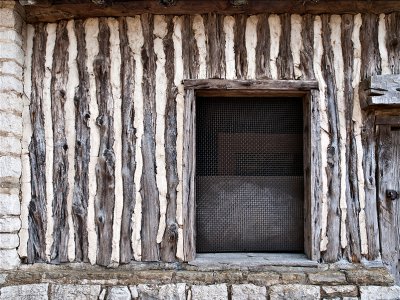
284, 61
240, 47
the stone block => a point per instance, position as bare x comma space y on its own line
293, 277
9, 205
9, 240
264, 278
9, 18
3, 278
134, 291
294, 291
207, 292
10, 145
10, 83
339, 291
380, 292
327, 277
166, 291
9, 224
25, 292
119, 293
350, 298
10, 166
75, 292
11, 68
9, 259
248, 291
10, 123
11, 102
378, 276
10, 35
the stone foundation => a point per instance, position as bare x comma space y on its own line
184, 281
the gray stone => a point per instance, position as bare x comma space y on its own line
264, 278
166, 291
380, 292
350, 298
9, 224
207, 292
119, 293
10, 102
9, 17
12, 51
11, 34
339, 291
294, 291
248, 291
25, 292
10, 145
9, 240
378, 276
3, 278
10, 166
327, 277
9, 205
11, 67
10, 83
9, 259
75, 292
134, 292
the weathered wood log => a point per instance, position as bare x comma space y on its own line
332, 252
214, 25
370, 65
284, 60
307, 54
149, 190
59, 77
128, 143
393, 41
353, 250
82, 149
187, 55
381, 91
105, 167
194, 61
170, 237
240, 46
263, 48
37, 152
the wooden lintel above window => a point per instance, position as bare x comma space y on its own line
53, 10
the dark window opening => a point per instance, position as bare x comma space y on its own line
249, 174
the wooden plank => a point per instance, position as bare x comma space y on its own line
149, 190
170, 237
214, 25
240, 46
370, 65
59, 77
82, 149
263, 48
272, 85
284, 60
79, 9
128, 143
392, 41
37, 152
332, 252
381, 91
105, 167
387, 120
307, 54
189, 200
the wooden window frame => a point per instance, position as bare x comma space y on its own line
308, 91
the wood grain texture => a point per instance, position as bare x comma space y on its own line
273, 85
307, 54
128, 143
332, 252
82, 149
284, 60
37, 152
263, 49
149, 190
105, 167
240, 46
214, 25
370, 65
170, 237
393, 41
59, 77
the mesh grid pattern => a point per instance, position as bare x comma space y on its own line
249, 174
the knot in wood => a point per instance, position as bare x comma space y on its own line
172, 232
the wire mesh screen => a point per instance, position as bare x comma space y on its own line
249, 174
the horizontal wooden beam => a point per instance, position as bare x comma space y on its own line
257, 85
54, 10
380, 91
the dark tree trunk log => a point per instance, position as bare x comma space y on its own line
82, 149
149, 190
393, 41
307, 54
59, 78
263, 48
105, 167
214, 25
240, 46
37, 152
284, 60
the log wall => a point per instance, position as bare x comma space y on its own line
106, 150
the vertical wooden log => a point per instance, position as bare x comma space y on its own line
393, 41
149, 190
332, 252
188, 40
240, 46
170, 237
215, 45
128, 143
82, 149
262, 48
353, 231
105, 167
59, 77
370, 65
284, 61
37, 152
307, 54
194, 61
